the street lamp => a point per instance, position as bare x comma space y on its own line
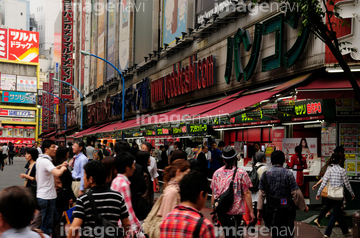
122, 77
81, 99
64, 105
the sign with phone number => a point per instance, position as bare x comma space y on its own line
16, 113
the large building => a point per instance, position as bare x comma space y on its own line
15, 14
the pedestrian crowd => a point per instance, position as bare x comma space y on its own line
108, 191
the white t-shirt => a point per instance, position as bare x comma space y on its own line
153, 168
5, 149
39, 150
89, 152
44, 178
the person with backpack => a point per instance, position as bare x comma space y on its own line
222, 180
255, 175
109, 205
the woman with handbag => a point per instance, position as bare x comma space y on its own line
31, 156
335, 178
169, 199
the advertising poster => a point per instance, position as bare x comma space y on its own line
101, 45
26, 84
124, 37
3, 43
16, 113
309, 145
23, 46
351, 167
18, 97
111, 15
174, 20
8, 82
278, 135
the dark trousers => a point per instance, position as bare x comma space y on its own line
231, 225
281, 221
2, 164
11, 159
328, 206
337, 215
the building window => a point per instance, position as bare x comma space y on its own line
21, 13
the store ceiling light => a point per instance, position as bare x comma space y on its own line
242, 127
340, 70
301, 122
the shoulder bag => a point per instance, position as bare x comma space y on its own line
152, 222
196, 233
224, 202
116, 232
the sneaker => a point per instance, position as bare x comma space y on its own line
325, 236
316, 221
336, 223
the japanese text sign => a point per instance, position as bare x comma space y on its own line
19, 97
23, 46
26, 84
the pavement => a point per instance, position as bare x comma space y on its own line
304, 226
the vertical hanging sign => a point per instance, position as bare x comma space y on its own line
46, 113
67, 49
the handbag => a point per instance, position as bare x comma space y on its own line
324, 192
152, 222
116, 232
335, 193
224, 202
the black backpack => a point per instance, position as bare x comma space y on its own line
254, 178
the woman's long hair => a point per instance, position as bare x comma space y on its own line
306, 144
60, 156
142, 158
109, 162
170, 171
298, 150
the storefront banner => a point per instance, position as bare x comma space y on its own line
18, 97
278, 136
27, 84
175, 14
17, 119
3, 43
17, 140
16, 113
23, 46
8, 82
347, 107
289, 144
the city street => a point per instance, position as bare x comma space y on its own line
11, 174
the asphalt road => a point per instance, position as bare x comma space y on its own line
11, 174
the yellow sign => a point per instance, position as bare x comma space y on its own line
351, 167
268, 151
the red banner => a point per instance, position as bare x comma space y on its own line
3, 43
51, 102
67, 49
23, 46
83, 32
45, 112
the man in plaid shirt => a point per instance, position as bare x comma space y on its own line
184, 220
125, 166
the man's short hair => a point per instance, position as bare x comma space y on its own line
177, 154
277, 157
221, 144
122, 146
122, 161
17, 206
97, 170
191, 185
47, 144
178, 144
260, 157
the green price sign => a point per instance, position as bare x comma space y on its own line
195, 129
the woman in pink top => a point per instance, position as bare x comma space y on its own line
172, 176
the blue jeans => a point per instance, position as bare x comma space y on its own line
337, 215
47, 209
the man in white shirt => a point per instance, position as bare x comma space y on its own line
90, 151
46, 193
5, 152
146, 146
36, 145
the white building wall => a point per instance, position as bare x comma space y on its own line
15, 14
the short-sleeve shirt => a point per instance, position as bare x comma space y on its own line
221, 181
110, 205
89, 152
44, 178
182, 221
153, 168
281, 182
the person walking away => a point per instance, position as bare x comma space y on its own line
125, 166
5, 152
186, 220
17, 200
220, 183
202, 159
216, 160
22, 151
110, 205
145, 200
260, 168
80, 160
146, 146
65, 195
282, 194
46, 193
11, 153
298, 163
337, 178
2, 159
90, 151
31, 156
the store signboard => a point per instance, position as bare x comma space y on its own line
162, 131
4, 118
149, 133
347, 107
278, 134
349, 138
46, 113
27, 84
197, 129
179, 130
18, 97
23, 46
16, 113
3, 43
8, 82
17, 140
287, 106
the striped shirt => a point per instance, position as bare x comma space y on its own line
336, 176
110, 205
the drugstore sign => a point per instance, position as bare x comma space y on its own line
280, 58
